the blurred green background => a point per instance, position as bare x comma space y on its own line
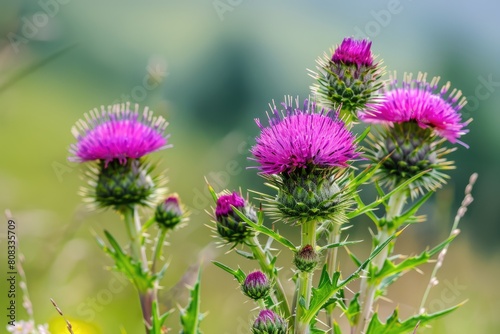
211, 67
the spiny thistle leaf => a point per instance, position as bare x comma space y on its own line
389, 268
190, 316
238, 274
394, 326
267, 231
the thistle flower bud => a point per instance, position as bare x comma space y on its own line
269, 322
306, 259
169, 213
256, 285
123, 184
348, 78
230, 226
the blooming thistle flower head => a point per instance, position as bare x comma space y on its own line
347, 78
118, 138
256, 285
302, 138
418, 118
303, 153
170, 212
230, 226
269, 322
118, 133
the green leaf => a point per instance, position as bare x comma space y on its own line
246, 255
127, 265
353, 310
158, 320
394, 326
405, 217
190, 316
383, 198
265, 230
238, 274
389, 268
340, 244
336, 328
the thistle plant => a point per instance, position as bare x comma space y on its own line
115, 142
315, 167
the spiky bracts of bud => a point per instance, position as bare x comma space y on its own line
306, 259
299, 138
309, 194
122, 184
170, 212
256, 285
231, 227
418, 119
347, 77
269, 322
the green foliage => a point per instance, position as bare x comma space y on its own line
394, 325
127, 265
191, 316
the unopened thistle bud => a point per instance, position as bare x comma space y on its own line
256, 285
169, 213
306, 259
269, 322
230, 226
348, 78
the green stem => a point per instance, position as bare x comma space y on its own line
138, 253
304, 282
158, 248
368, 289
331, 263
267, 268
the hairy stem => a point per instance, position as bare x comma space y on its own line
331, 263
369, 289
304, 282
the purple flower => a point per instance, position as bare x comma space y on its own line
230, 226
224, 202
352, 51
302, 138
256, 285
269, 322
118, 133
422, 103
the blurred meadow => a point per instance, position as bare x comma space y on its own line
210, 67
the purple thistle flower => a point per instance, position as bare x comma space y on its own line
352, 51
224, 202
118, 133
302, 138
422, 103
